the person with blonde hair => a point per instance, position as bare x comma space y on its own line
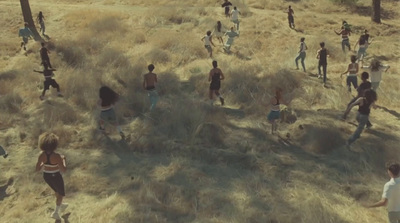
52, 163
375, 70
274, 114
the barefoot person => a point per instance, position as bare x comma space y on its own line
364, 109
345, 38
107, 101
44, 55
302, 54
375, 70
231, 37
322, 56
218, 32
48, 80
274, 114
207, 42
40, 20
352, 70
52, 163
391, 193
149, 84
235, 17
215, 76
227, 5
290, 13
26, 34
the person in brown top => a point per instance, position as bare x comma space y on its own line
215, 76
149, 81
345, 38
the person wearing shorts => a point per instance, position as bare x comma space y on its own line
207, 42
274, 114
215, 76
48, 80
351, 72
52, 164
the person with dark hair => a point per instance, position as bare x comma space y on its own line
274, 114
351, 72
391, 193
362, 47
227, 4
218, 32
290, 13
231, 37
107, 100
368, 41
52, 163
215, 76
376, 69
364, 109
48, 80
207, 42
149, 84
322, 56
235, 17
345, 38
302, 54
365, 85
40, 20
26, 34
44, 55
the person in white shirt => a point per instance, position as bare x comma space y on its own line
231, 36
391, 193
375, 72
235, 17
302, 54
207, 42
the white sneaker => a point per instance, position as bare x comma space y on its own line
55, 215
63, 206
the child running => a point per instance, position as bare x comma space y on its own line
48, 80
44, 55
231, 37
207, 42
364, 109
227, 4
215, 76
52, 163
345, 38
274, 114
351, 72
322, 56
40, 20
302, 54
290, 13
218, 32
107, 101
376, 69
149, 84
235, 17
26, 34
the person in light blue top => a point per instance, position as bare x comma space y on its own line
231, 36
25, 33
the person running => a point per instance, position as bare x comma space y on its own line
362, 47
368, 41
107, 101
40, 20
149, 84
207, 42
391, 193
274, 114
26, 34
302, 54
351, 72
376, 69
44, 55
345, 38
290, 13
218, 32
227, 5
215, 76
364, 109
322, 56
231, 37
235, 17
365, 85
52, 163
48, 80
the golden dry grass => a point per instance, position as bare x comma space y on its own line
187, 161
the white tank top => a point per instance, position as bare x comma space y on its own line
353, 70
207, 40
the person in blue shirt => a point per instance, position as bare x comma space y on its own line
25, 33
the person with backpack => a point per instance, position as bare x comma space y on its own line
345, 38
351, 72
302, 54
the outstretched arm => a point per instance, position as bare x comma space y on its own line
37, 71
357, 102
337, 32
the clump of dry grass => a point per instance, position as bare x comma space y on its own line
11, 103
73, 54
158, 56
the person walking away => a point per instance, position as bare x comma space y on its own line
207, 42
364, 109
302, 54
52, 164
352, 70
362, 47
227, 5
149, 84
218, 32
215, 76
44, 55
290, 13
376, 69
48, 80
345, 38
368, 41
322, 56
40, 20
274, 114
235, 17
391, 193
107, 100
26, 34
231, 37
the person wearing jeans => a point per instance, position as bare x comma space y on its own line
149, 84
345, 38
351, 72
302, 54
322, 56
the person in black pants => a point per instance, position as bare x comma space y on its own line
226, 4
322, 56
44, 55
215, 78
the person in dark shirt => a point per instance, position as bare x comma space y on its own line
40, 20
215, 76
226, 4
106, 102
44, 55
290, 13
48, 80
365, 85
322, 56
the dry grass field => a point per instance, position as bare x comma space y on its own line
188, 161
